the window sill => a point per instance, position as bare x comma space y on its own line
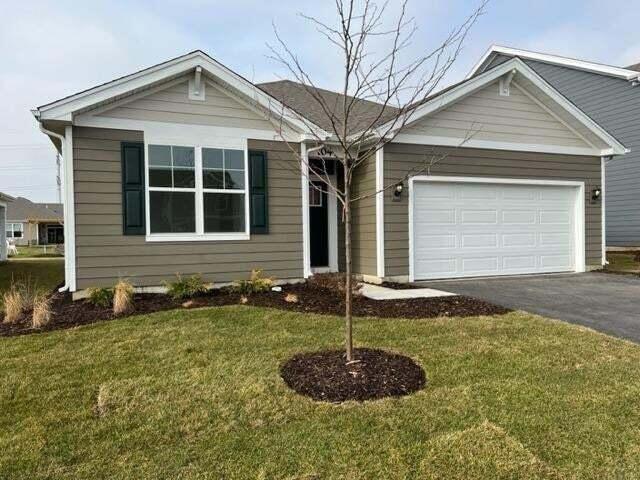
211, 237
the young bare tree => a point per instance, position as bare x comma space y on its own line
376, 69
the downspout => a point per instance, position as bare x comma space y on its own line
66, 286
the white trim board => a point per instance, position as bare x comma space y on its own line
516, 65
440, 141
586, 66
69, 211
380, 267
580, 224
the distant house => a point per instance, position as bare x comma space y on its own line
4, 200
29, 223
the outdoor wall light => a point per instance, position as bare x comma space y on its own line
596, 193
398, 190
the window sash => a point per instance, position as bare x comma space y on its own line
200, 192
12, 228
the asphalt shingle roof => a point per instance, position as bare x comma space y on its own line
297, 97
24, 209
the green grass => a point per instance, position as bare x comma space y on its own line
622, 262
36, 252
42, 274
197, 394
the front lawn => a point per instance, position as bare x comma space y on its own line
37, 251
44, 274
197, 394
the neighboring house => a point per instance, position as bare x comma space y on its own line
611, 97
178, 168
4, 200
30, 223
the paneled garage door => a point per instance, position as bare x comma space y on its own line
465, 229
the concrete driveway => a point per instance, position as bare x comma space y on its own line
606, 302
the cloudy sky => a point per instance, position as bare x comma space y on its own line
52, 49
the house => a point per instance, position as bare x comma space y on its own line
30, 223
4, 200
611, 97
179, 168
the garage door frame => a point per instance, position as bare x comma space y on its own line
579, 234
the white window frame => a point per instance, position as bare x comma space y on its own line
199, 234
12, 229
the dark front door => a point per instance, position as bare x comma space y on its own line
318, 224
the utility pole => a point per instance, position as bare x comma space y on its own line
58, 179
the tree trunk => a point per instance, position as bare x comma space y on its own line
348, 274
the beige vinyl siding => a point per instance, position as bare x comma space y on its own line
466, 162
103, 254
174, 106
364, 219
487, 115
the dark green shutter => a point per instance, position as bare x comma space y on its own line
133, 217
258, 192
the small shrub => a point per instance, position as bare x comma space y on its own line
334, 282
291, 298
41, 311
122, 298
14, 304
256, 283
187, 287
100, 297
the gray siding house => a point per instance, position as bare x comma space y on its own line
611, 96
184, 168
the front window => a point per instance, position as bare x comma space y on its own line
196, 190
14, 230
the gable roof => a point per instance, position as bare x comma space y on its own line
64, 108
635, 67
629, 73
564, 109
6, 198
297, 96
24, 209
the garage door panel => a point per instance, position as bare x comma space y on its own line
516, 229
429, 242
480, 265
519, 217
479, 240
519, 240
476, 216
555, 217
519, 263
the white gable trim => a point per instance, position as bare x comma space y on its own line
556, 60
515, 64
441, 141
64, 109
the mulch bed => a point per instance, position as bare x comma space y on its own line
325, 375
311, 299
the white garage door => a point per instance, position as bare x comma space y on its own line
482, 229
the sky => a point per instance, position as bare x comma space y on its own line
52, 49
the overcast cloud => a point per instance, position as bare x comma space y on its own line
52, 49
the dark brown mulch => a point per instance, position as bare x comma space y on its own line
325, 375
311, 299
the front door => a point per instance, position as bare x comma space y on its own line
318, 224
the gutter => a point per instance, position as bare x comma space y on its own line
66, 286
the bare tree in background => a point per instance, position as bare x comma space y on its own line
374, 68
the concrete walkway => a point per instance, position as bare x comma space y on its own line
376, 292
